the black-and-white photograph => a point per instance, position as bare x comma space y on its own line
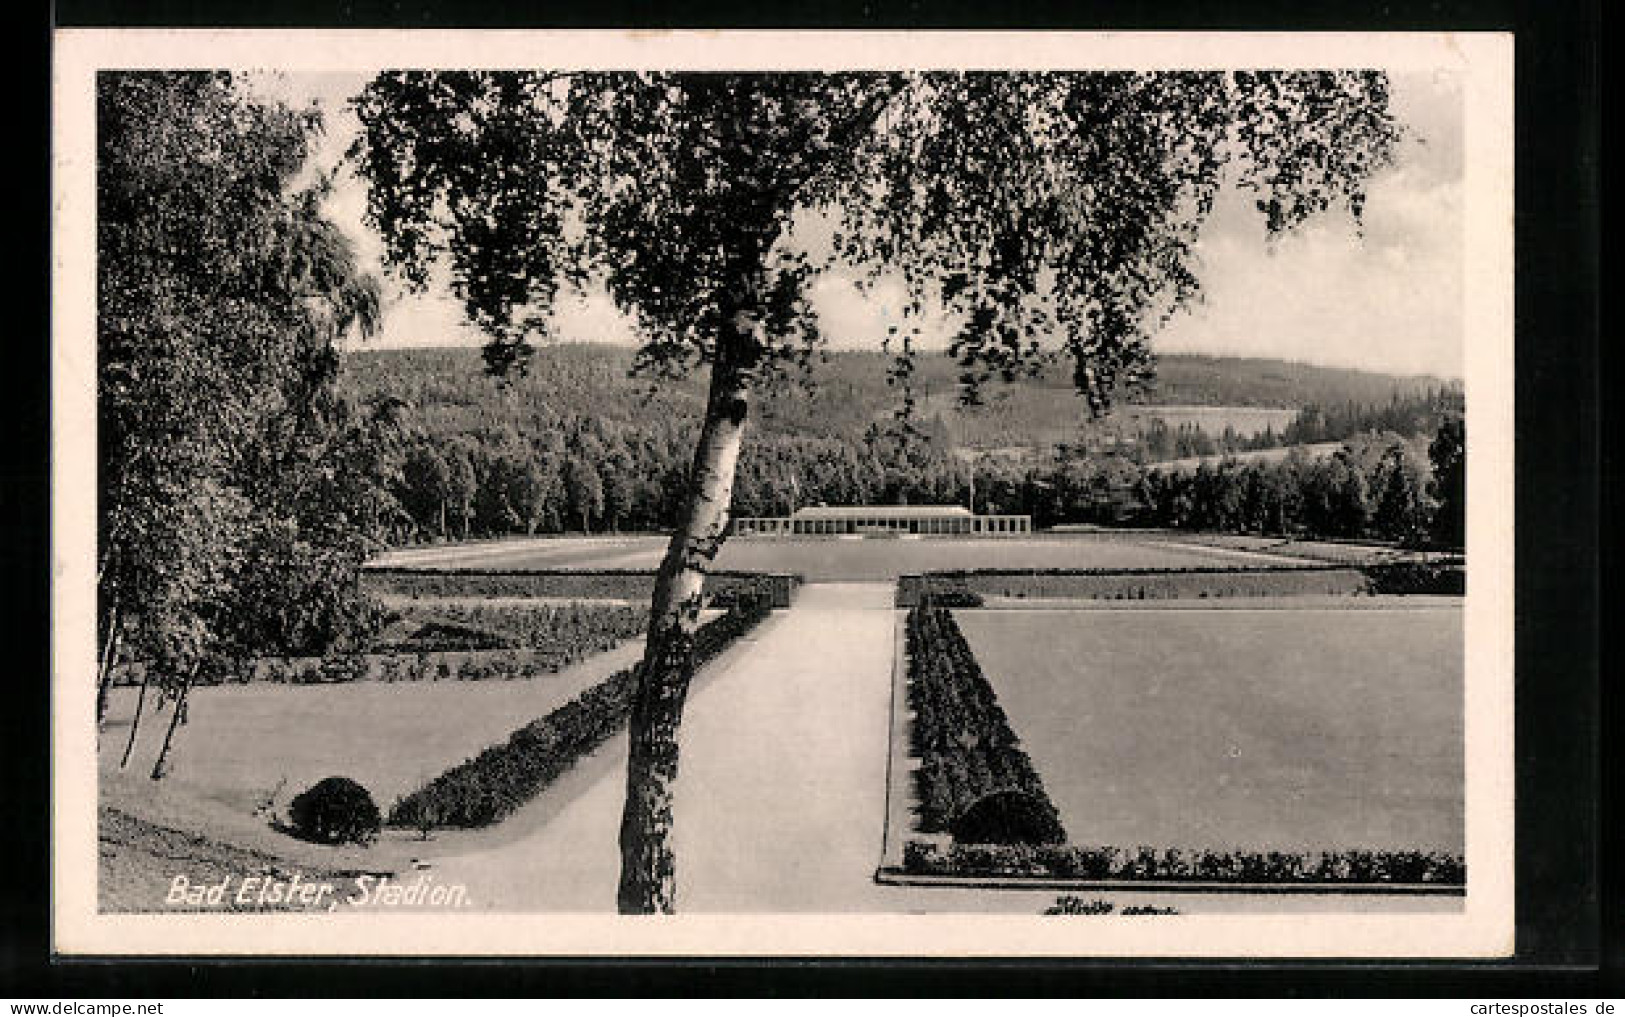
928, 480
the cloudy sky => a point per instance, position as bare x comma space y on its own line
1389, 300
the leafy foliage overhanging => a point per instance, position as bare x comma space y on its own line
234, 501
1029, 206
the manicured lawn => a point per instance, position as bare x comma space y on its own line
240, 740
1261, 729
827, 560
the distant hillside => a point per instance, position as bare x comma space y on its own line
578, 445
848, 392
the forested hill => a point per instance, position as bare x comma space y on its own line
577, 444
449, 392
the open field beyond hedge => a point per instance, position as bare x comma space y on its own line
830, 560
1269, 730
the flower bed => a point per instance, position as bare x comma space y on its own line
504, 777
417, 666
567, 631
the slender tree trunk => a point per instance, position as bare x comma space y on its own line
135, 722
161, 766
104, 674
648, 883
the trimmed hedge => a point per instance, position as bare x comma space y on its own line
950, 596
963, 739
455, 641
1177, 865
1413, 577
1132, 584
422, 666
504, 777
566, 632
1009, 817
583, 584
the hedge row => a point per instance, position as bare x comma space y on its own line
504, 777
1176, 865
565, 632
567, 584
1412, 577
1136, 584
422, 666
960, 734
949, 596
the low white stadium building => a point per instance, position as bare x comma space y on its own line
883, 521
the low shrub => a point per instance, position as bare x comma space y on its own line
1176, 865
559, 633
1009, 817
335, 810
1417, 577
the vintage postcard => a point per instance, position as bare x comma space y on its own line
783, 494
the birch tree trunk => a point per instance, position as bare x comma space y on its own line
104, 675
161, 766
135, 721
648, 883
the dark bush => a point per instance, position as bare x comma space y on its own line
1416, 577
336, 810
1009, 817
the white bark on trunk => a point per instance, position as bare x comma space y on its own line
648, 869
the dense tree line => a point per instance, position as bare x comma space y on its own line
1378, 485
578, 446
588, 476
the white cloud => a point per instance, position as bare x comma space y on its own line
1388, 300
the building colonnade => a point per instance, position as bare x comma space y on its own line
859, 525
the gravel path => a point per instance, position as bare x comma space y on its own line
781, 799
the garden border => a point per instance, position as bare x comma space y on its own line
892, 870
896, 876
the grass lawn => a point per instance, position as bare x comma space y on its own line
828, 560
1266, 730
240, 740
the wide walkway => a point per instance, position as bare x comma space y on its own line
781, 793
